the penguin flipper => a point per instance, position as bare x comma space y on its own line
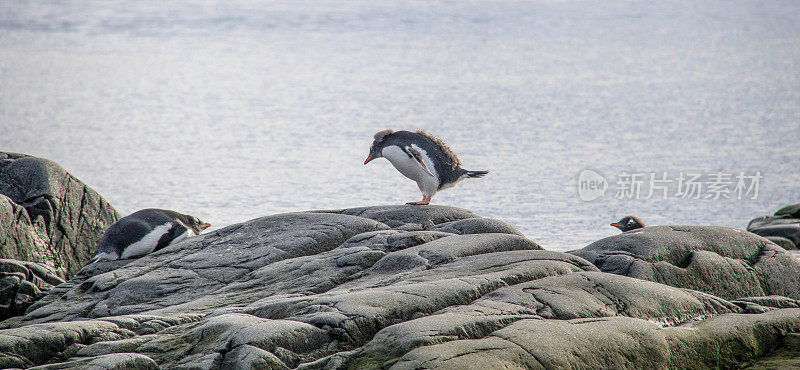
418, 156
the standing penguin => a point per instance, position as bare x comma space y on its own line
629, 223
421, 157
146, 231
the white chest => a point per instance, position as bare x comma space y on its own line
409, 166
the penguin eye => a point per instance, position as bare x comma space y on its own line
630, 222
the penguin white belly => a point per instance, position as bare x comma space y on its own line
147, 243
410, 168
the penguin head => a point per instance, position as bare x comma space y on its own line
628, 223
378, 145
195, 224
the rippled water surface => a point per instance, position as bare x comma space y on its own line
233, 110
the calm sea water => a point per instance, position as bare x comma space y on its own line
232, 110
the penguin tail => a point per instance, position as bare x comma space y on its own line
476, 174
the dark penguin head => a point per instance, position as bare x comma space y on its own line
193, 223
628, 223
378, 145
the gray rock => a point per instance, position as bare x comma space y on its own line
35, 344
396, 286
783, 228
792, 211
291, 341
618, 342
783, 357
393, 240
772, 301
764, 221
782, 242
408, 217
223, 263
114, 346
21, 284
116, 361
251, 357
561, 298
49, 216
476, 226
729, 263
787, 231
596, 294
38, 344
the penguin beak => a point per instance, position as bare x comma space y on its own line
369, 158
206, 225
615, 224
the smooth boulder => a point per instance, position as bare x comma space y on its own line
783, 228
47, 215
726, 262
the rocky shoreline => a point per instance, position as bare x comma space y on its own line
396, 287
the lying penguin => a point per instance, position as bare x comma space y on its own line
146, 231
629, 223
423, 158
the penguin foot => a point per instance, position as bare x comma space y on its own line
424, 202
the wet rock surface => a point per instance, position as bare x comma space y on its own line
47, 215
412, 287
